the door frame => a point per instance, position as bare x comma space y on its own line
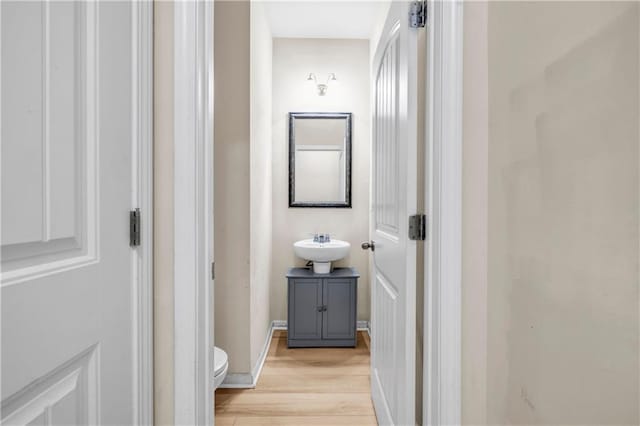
193, 212
142, 197
193, 205
442, 386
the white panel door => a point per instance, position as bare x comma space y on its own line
393, 278
67, 270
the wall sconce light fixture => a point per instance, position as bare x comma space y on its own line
322, 87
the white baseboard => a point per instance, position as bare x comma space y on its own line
279, 324
238, 380
249, 380
257, 369
282, 325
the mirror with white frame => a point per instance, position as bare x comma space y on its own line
319, 159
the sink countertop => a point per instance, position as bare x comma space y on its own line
336, 273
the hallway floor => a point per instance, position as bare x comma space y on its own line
315, 386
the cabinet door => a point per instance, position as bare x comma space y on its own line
339, 297
305, 309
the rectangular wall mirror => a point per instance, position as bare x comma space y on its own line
319, 159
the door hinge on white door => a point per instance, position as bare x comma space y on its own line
134, 227
213, 270
418, 14
418, 227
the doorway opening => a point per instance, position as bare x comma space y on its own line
319, 129
441, 391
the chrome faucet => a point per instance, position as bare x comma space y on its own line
321, 238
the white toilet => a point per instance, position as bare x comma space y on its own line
221, 365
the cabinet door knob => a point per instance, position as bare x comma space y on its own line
320, 308
369, 245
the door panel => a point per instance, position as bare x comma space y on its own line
394, 199
67, 274
339, 320
306, 299
48, 137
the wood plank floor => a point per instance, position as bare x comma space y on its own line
313, 386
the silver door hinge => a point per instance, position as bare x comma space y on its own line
418, 14
418, 227
213, 270
134, 227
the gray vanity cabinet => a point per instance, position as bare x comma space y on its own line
305, 306
322, 308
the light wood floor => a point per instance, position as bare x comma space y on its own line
314, 386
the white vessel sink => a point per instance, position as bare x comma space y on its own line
321, 254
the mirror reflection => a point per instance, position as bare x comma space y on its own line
320, 159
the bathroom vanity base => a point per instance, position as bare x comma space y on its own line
322, 308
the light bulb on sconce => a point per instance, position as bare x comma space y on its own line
322, 87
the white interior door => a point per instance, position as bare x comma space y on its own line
394, 198
67, 268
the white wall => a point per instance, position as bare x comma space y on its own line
293, 60
243, 181
474, 214
551, 183
163, 312
260, 178
232, 183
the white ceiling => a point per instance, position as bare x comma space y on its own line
324, 19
